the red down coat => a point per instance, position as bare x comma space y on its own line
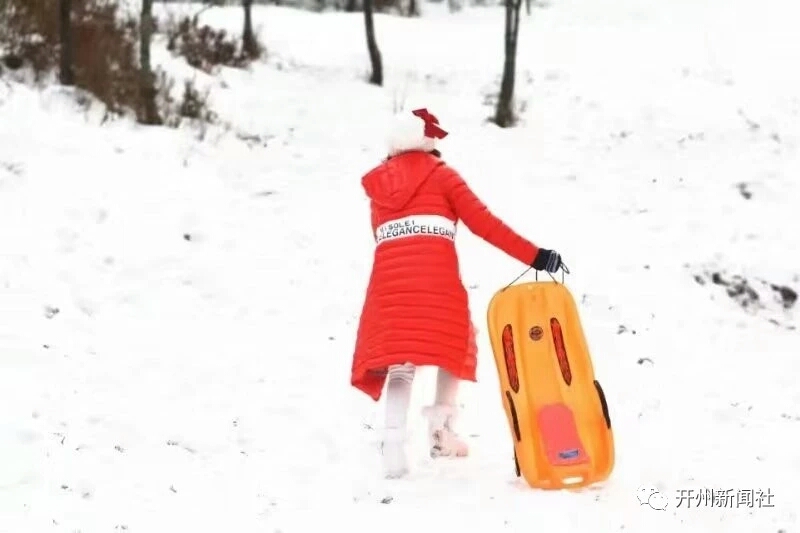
416, 308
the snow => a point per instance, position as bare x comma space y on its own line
195, 374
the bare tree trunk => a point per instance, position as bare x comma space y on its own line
147, 87
249, 43
413, 8
504, 115
350, 6
372, 46
67, 72
528, 7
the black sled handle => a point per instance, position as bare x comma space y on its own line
564, 270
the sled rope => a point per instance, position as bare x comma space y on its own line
564, 270
517, 278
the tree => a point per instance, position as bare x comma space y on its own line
66, 71
249, 42
504, 114
374, 54
147, 82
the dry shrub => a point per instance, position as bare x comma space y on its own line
103, 52
105, 55
192, 106
105, 60
29, 33
204, 47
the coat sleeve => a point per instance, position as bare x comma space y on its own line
480, 221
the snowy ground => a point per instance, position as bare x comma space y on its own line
177, 316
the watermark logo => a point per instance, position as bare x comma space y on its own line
723, 498
652, 497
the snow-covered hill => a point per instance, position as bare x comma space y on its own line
177, 315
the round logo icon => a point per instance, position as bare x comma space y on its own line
536, 333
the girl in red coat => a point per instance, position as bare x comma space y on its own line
416, 310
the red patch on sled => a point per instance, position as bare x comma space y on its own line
561, 351
511, 358
560, 437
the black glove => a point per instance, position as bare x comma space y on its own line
548, 260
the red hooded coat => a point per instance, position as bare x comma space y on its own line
416, 308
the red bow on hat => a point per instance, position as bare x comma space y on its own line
432, 128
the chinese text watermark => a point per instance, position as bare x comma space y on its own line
724, 498
695, 498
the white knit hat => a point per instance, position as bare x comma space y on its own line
415, 130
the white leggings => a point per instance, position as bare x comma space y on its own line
398, 393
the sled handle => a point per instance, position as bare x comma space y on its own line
564, 270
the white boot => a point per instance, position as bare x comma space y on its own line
444, 441
395, 458
441, 416
398, 397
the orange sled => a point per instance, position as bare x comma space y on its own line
556, 409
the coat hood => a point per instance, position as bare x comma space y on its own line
393, 184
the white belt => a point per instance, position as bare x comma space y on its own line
416, 226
